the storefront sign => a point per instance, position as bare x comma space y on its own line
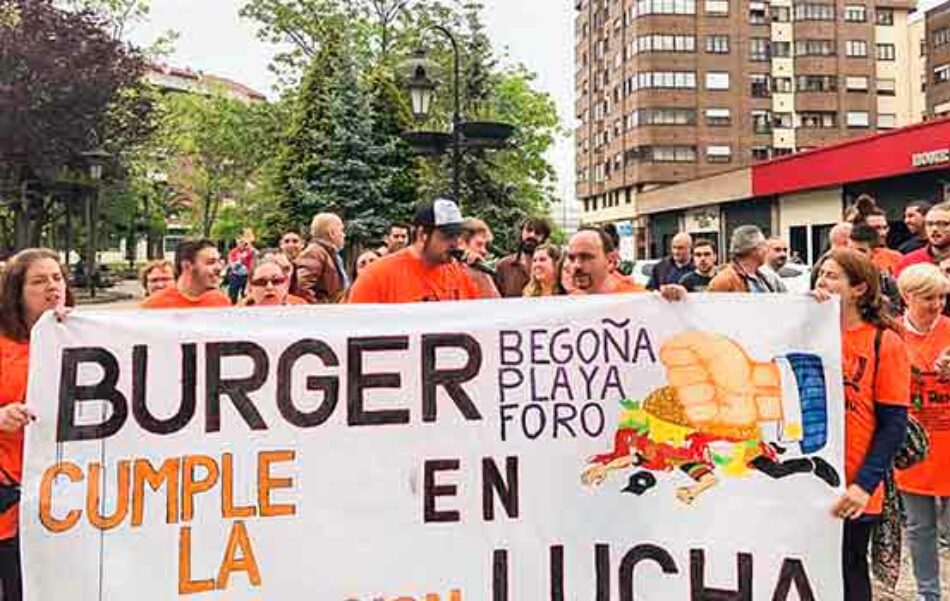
931, 157
704, 219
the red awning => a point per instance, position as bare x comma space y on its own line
921, 147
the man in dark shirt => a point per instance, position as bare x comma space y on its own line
705, 258
514, 271
672, 269
914, 218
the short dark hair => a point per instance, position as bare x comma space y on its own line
704, 242
402, 225
605, 238
865, 234
611, 230
187, 251
922, 206
539, 225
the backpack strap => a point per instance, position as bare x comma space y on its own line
878, 337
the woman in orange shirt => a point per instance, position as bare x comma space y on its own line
877, 392
34, 282
926, 486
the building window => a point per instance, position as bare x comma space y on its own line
663, 116
780, 14
858, 119
886, 87
662, 7
855, 13
884, 16
717, 7
782, 85
761, 153
664, 43
814, 47
758, 13
717, 80
761, 122
856, 83
782, 152
661, 80
886, 121
662, 154
716, 153
885, 52
942, 36
759, 49
942, 74
816, 83
718, 117
856, 48
814, 12
781, 49
760, 87
817, 119
717, 44
782, 121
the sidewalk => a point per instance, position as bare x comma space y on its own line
126, 294
906, 588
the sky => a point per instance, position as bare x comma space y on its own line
214, 39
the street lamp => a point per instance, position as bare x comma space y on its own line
463, 135
96, 160
421, 88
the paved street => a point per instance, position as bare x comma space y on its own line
906, 587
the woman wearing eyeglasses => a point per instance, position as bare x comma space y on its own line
270, 286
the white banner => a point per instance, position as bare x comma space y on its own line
611, 448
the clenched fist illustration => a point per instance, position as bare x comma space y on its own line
721, 390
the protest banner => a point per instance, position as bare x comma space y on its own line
612, 448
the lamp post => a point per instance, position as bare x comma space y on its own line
96, 159
465, 135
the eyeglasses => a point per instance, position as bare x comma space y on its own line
263, 282
938, 224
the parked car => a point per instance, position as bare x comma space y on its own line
797, 278
642, 270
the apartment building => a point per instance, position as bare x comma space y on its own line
674, 90
936, 49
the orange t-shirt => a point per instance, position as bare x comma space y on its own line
893, 388
930, 404
295, 300
404, 278
172, 298
14, 367
887, 260
619, 284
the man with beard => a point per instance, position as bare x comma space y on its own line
424, 272
915, 214
514, 271
396, 240
704, 257
938, 238
589, 257
198, 276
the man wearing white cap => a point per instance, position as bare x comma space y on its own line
425, 271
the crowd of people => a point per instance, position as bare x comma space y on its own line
895, 335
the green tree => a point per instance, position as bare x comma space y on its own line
219, 147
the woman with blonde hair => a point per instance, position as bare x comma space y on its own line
926, 486
545, 272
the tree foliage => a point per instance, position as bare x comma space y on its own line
500, 186
217, 148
